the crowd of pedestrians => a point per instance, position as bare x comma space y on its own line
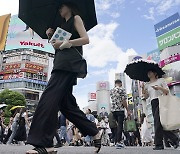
113, 127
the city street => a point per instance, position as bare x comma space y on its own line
14, 149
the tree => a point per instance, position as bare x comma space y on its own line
11, 98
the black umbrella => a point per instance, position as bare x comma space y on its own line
138, 69
43, 14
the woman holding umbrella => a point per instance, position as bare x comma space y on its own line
58, 93
154, 88
150, 72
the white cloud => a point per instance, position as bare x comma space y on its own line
162, 6
102, 48
151, 14
109, 8
9, 6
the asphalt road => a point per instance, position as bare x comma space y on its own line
16, 149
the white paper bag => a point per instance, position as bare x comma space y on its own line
169, 110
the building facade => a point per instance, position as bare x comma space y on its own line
26, 71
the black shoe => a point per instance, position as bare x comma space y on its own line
167, 144
158, 148
176, 145
58, 145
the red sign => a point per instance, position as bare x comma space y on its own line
13, 76
31, 44
93, 95
34, 67
102, 85
12, 66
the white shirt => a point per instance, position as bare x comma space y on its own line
153, 94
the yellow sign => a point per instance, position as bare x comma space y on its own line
130, 99
4, 24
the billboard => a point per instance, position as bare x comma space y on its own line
170, 38
91, 96
167, 25
154, 55
172, 71
4, 20
21, 36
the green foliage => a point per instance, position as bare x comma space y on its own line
11, 98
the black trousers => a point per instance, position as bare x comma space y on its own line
159, 132
119, 117
114, 134
57, 96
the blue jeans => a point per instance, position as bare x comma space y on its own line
63, 134
14, 129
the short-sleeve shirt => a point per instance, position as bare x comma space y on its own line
154, 94
117, 94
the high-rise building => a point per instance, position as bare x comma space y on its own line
26, 71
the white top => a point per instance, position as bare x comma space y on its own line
153, 94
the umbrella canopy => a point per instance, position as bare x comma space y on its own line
138, 69
2, 106
43, 14
15, 107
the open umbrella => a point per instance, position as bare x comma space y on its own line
138, 69
43, 14
2, 106
15, 107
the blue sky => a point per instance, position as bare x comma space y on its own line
126, 27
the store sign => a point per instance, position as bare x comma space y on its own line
102, 85
34, 67
167, 25
12, 66
13, 76
91, 96
23, 79
169, 60
169, 39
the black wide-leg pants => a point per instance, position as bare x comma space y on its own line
57, 97
159, 132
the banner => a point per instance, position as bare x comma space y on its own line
154, 55
21, 35
172, 71
167, 25
169, 39
4, 24
169, 60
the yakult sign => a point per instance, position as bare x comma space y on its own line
21, 36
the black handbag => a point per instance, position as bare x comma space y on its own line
82, 66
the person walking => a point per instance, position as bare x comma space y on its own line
154, 88
118, 106
113, 127
145, 132
14, 125
58, 93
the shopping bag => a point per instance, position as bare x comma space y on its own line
169, 110
130, 126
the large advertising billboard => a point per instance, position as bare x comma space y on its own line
4, 24
170, 38
167, 25
154, 55
21, 36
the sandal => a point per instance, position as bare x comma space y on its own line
97, 143
41, 151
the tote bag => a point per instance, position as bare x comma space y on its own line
130, 126
169, 110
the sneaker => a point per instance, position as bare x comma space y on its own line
158, 148
119, 145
